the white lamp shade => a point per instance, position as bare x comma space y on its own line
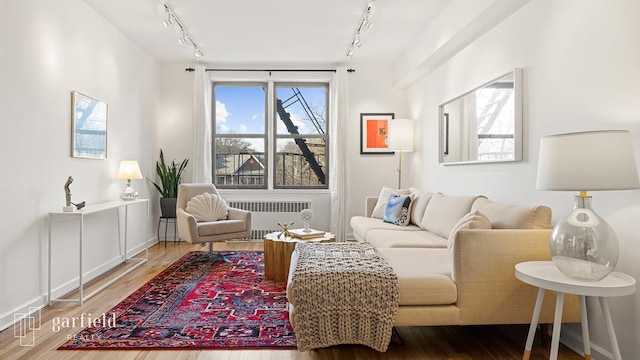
592, 160
129, 170
400, 135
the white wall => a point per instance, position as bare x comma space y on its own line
371, 91
580, 60
50, 48
175, 114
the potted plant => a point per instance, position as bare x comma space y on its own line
169, 175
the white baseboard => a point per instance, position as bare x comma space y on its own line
573, 341
7, 319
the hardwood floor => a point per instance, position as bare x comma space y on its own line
438, 342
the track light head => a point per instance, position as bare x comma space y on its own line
168, 21
356, 40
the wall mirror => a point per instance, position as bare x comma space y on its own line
484, 124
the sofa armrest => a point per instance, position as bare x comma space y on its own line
484, 271
369, 204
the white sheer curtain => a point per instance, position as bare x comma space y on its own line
201, 126
337, 127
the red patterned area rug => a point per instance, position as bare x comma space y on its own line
199, 302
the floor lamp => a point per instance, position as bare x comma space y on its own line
400, 139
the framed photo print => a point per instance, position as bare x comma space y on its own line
89, 127
374, 130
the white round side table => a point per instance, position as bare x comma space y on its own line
546, 276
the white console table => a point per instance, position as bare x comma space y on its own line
94, 209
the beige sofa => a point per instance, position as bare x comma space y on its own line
460, 275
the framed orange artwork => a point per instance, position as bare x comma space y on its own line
374, 129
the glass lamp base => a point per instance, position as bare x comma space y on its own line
581, 269
129, 194
583, 246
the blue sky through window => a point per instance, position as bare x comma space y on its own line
241, 110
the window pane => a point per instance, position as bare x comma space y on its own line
240, 109
494, 109
293, 168
496, 149
301, 110
494, 112
240, 162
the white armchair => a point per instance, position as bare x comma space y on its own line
237, 225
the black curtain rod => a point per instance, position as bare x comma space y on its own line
271, 70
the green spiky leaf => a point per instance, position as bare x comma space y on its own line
169, 176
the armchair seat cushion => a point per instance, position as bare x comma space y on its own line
221, 227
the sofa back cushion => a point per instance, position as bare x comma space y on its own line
443, 211
506, 216
419, 205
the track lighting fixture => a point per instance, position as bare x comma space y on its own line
184, 38
364, 24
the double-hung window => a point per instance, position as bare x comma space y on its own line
270, 135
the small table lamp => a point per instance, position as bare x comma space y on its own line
129, 170
400, 139
583, 246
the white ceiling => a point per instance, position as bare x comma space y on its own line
277, 32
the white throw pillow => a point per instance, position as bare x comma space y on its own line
383, 199
473, 220
207, 207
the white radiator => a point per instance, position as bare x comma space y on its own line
265, 214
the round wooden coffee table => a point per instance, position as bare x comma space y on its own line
277, 253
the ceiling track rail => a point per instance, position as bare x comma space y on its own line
190, 69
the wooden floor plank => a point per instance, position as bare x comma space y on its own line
427, 342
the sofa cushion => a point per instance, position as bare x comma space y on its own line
419, 204
383, 199
424, 275
506, 216
444, 211
398, 209
473, 220
361, 225
382, 238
